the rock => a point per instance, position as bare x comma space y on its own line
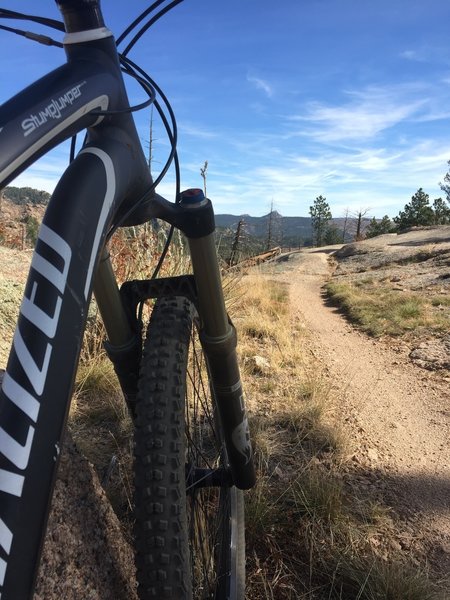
85, 553
432, 354
259, 365
372, 454
354, 249
395, 545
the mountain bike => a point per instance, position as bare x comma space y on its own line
193, 455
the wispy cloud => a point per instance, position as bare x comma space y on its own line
261, 84
366, 114
196, 131
383, 179
414, 55
426, 54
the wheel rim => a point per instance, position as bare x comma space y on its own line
209, 509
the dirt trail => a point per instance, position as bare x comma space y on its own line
396, 414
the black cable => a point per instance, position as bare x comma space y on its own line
151, 189
163, 254
144, 84
73, 143
138, 20
173, 157
149, 23
36, 37
172, 133
11, 14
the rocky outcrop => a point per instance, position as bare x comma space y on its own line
86, 555
432, 354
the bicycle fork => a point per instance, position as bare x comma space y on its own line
194, 217
219, 340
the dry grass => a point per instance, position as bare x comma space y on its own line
135, 252
103, 431
268, 343
380, 580
99, 418
10, 298
307, 537
307, 534
378, 310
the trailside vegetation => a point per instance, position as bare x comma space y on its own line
26, 195
320, 216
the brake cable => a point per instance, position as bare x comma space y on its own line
142, 78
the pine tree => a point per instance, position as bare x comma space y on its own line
320, 215
417, 212
441, 212
445, 187
379, 227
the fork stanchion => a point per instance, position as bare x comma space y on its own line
219, 340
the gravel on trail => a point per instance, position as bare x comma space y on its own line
395, 414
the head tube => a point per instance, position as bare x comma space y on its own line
81, 15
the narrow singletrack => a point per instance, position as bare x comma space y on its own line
396, 415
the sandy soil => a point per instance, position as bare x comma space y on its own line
396, 415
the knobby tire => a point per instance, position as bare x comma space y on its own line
189, 541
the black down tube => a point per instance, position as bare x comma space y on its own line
37, 385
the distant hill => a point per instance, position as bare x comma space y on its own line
292, 231
21, 211
284, 231
25, 195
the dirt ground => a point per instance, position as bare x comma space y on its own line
396, 415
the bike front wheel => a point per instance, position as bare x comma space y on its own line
189, 520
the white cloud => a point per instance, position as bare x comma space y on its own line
426, 54
196, 131
45, 173
261, 84
34, 181
366, 114
414, 55
371, 147
380, 178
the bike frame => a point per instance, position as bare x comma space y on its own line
107, 178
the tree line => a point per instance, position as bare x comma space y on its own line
25, 195
418, 212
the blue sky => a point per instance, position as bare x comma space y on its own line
285, 100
